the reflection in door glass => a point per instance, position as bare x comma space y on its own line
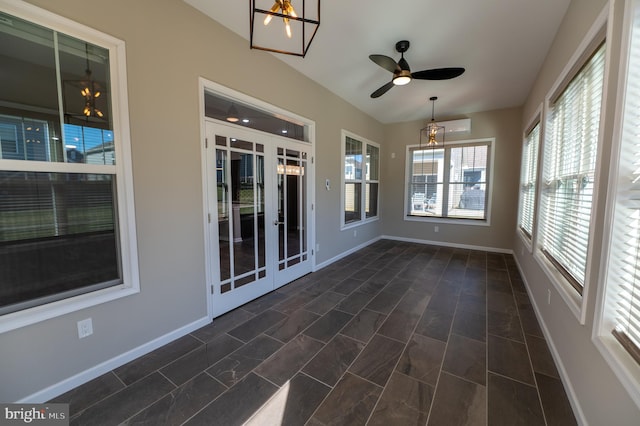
243, 211
260, 205
281, 209
294, 172
223, 213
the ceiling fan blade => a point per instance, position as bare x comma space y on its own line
385, 62
382, 90
438, 74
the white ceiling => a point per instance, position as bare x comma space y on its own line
501, 43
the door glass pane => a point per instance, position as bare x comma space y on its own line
243, 210
222, 189
303, 204
293, 207
260, 206
281, 206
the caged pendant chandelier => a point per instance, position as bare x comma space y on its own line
300, 18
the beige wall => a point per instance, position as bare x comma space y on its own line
503, 125
169, 45
601, 398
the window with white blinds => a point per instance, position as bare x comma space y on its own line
528, 172
569, 164
623, 268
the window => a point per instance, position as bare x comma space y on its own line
569, 166
360, 179
528, 172
459, 191
66, 228
619, 325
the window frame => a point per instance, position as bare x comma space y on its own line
536, 120
626, 369
598, 33
122, 170
490, 142
363, 181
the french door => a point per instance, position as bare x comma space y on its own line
258, 190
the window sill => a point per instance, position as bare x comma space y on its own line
448, 220
350, 225
526, 241
625, 368
41, 313
573, 299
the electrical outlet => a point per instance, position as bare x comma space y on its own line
548, 297
85, 328
436, 229
355, 233
317, 247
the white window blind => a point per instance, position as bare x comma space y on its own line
569, 170
623, 272
529, 169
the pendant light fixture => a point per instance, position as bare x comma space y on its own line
90, 90
262, 36
433, 131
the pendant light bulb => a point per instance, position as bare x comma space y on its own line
287, 27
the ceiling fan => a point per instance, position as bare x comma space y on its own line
402, 73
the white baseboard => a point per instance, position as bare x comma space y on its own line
564, 377
344, 254
111, 364
447, 244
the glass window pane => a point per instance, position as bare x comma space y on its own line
373, 159
352, 159
371, 200
352, 202
57, 236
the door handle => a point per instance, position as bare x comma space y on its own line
276, 223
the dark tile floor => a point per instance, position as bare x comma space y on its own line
395, 334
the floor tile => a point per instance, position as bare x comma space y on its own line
509, 358
290, 358
401, 322
501, 302
556, 407
139, 368
263, 303
458, 402
541, 358
505, 325
435, 324
292, 404
187, 366
256, 325
378, 359
333, 360
405, 401
466, 358
238, 404
347, 286
178, 406
364, 325
91, 392
121, 405
512, 403
422, 359
384, 302
444, 299
328, 325
354, 302
349, 403
470, 324
220, 347
295, 302
234, 367
292, 326
324, 303
222, 324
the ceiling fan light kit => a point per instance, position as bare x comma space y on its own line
402, 72
300, 23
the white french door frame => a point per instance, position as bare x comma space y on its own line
210, 246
